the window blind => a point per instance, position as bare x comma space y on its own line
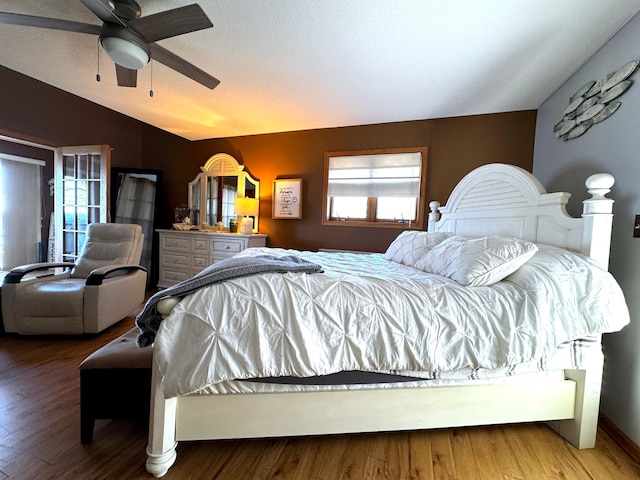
19, 211
374, 175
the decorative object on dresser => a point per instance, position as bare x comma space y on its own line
246, 208
287, 198
213, 191
183, 254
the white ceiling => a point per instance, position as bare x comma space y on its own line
302, 64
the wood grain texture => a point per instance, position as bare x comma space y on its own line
40, 438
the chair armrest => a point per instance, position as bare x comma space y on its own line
97, 276
16, 274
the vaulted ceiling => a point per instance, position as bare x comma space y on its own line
289, 65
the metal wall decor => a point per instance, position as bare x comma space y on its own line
594, 102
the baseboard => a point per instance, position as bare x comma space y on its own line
618, 436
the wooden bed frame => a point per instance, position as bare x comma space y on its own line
493, 199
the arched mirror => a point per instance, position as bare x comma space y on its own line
213, 192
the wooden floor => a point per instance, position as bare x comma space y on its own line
40, 438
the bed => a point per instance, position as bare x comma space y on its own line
556, 379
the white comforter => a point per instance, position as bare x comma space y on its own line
366, 313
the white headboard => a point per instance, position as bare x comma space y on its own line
498, 199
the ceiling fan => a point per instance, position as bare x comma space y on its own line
129, 38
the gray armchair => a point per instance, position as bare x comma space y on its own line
104, 286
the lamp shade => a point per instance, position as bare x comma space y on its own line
124, 46
125, 53
245, 206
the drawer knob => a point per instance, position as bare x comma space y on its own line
228, 247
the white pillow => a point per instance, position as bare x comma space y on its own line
477, 261
411, 245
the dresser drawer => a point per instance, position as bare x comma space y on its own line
176, 243
174, 259
227, 246
200, 245
171, 277
200, 262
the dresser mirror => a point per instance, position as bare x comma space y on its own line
213, 191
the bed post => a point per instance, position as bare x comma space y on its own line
161, 450
434, 216
597, 213
581, 430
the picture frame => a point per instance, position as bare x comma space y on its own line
287, 198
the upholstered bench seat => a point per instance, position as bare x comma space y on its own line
115, 382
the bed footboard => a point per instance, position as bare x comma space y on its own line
569, 406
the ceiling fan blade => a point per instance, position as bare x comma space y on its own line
171, 23
126, 77
180, 65
103, 12
52, 23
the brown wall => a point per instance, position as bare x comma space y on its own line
33, 111
38, 112
456, 146
44, 114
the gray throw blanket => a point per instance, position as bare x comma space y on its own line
149, 319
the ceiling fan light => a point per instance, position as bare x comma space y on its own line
125, 53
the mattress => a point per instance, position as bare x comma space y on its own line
578, 354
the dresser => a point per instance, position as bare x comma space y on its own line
183, 254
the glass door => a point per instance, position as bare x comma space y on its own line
81, 196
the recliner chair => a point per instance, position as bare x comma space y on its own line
104, 286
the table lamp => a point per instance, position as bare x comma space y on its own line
245, 208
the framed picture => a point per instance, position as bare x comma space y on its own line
287, 198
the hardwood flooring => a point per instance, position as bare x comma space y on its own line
40, 438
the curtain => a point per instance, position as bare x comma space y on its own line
20, 184
136, 204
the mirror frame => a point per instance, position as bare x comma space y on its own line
222, 165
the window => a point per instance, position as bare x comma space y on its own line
20, 184
381, 188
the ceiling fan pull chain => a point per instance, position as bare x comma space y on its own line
151, 89
98, 70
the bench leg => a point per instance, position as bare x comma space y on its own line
87, 423
87, 418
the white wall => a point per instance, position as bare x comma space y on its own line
612, 146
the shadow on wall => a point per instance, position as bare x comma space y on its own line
573, 179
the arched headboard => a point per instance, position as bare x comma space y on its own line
499, 199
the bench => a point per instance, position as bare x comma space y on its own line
115, 382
